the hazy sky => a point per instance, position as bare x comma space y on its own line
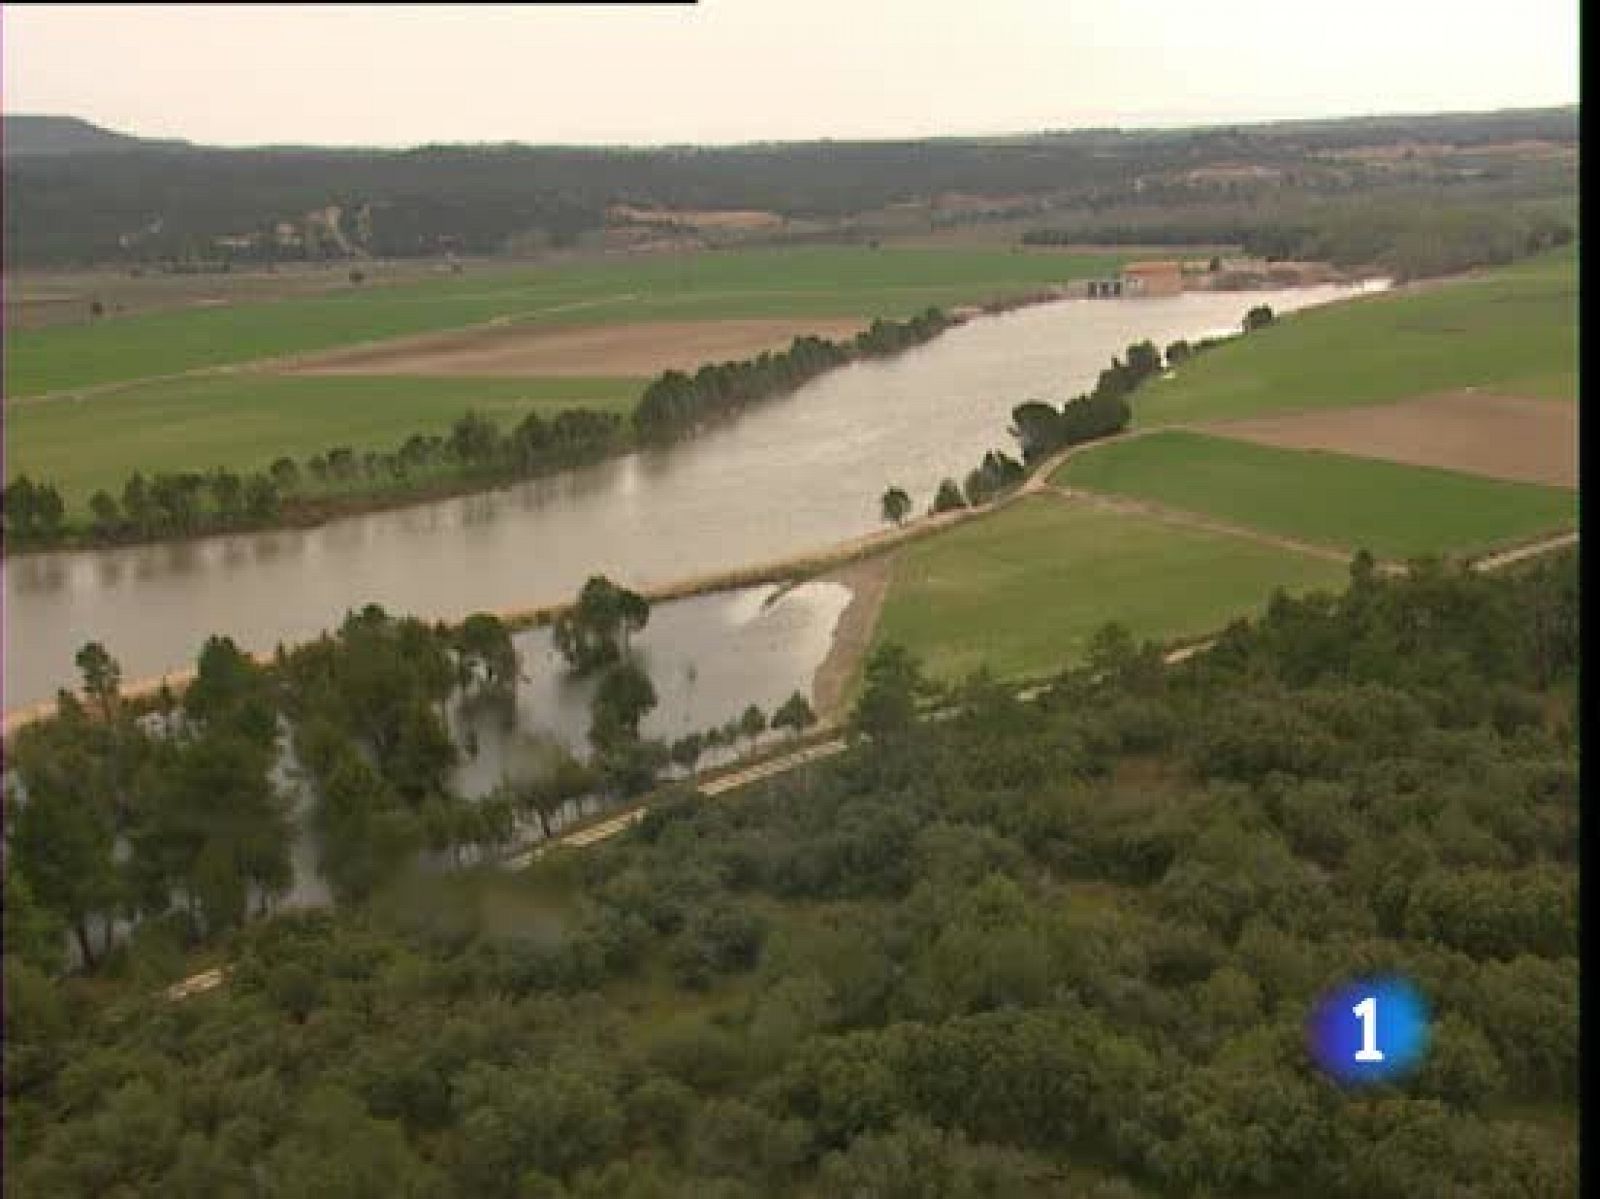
738, 70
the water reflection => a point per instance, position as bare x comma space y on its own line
707, 657
788, 477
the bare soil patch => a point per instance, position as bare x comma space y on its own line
634, 349
1521, 439
744, 219
868, 581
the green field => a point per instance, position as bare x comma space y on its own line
245, 421
1515, 331
1024, 590
751, 283
1392, 510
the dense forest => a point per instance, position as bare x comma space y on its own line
1055, 947
164, 205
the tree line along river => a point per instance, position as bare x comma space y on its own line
784, 478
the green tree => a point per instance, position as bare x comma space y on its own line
895, 504
102, 677
794, 714
33, 933
136, 502
594, 632
61, 839
107, 516
887, 709
622, 700
334, 1149
214, 828
284, 473
485, 651
1258, 317
687, 750
1038, 428
229, 689
752, 723
948, 498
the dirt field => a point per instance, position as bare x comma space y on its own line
639, 349
868, 581
1502, 437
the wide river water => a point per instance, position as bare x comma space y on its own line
793, 475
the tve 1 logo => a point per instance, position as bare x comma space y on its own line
1372, 1030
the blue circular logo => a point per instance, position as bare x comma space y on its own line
1369, 1031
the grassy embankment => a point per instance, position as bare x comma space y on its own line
130, 419
1513, 331
1393, 511
1021, 591
242, 422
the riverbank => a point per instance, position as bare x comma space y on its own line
315, 512
774, 488
859, 563
868, 581
673, 408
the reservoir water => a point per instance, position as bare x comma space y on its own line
793, 475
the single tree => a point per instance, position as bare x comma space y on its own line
102, 676
686, 751
895, 504
107, 516
622, 700
948, 498
595, 630
1258, 317
752, 723
794, 714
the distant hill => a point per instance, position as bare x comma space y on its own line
68, 200
25, 134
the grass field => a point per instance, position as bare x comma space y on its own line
1024, 590
245, 421
1515, 330
754, 283
1392, 510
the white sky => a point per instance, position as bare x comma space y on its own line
739, 70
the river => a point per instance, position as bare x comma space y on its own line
789, 476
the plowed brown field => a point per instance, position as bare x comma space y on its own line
634, 349
1503, 437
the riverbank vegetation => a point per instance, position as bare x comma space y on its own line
678, 403
244, 422
180, 815
1041, 429
1065, 946
478, 452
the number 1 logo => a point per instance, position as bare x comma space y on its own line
1344, 1038
1367, 1012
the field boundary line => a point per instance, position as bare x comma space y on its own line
1194, 520
282, 362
